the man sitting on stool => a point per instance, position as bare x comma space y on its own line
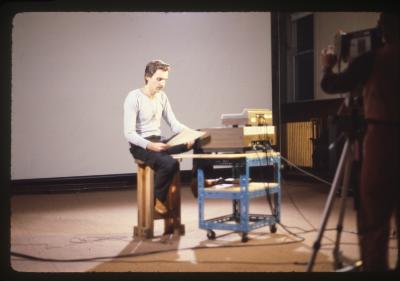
143, 109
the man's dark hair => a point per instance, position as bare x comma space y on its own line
389, 25
153, 66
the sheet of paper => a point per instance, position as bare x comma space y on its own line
185, 136
222, 185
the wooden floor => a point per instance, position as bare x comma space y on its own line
92, 231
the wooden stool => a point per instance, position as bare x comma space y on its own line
145, 202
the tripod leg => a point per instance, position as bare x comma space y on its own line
346, 180
329, 204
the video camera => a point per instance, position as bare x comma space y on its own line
351, 45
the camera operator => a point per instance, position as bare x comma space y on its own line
376, 75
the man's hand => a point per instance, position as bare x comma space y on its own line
328, 58
189, 144
157, 146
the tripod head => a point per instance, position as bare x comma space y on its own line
349, 119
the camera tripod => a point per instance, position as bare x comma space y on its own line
343, 175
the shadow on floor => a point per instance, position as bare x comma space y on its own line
264, 252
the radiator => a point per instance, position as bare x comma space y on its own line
299, 137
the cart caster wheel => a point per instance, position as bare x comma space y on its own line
210, 235
272, 228
245, 238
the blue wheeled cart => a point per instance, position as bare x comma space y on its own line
240, 220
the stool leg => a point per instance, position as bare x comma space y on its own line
145, 201
172, 223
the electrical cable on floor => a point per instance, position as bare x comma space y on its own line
286, 228
264, 148
289, 195
305, 172
31, 257
36, 258
269, 200
314, 229
269, 147
299, 211
292, 200
21, 255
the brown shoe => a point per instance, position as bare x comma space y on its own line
160, 208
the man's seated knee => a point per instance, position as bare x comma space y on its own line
175, 166
171, 166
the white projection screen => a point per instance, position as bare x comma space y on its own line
71, 72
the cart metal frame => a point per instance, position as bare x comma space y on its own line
240, 220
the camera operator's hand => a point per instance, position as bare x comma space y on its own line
328, 58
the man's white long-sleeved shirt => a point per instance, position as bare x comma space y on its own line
142, 116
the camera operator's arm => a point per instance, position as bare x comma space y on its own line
354, 75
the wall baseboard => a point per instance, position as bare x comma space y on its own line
81, 183
105, 182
